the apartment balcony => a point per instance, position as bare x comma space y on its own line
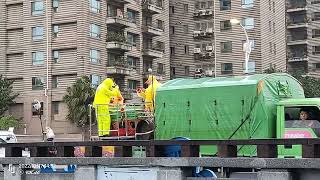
152, 7
118, 69
118, 42
153, 30
153, 52
120, 21
297, 40
124, 1
203, 13
295, 7
298, 58
208, 33
203, 55
297, 23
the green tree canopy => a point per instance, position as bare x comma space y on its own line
7, 97
78, 96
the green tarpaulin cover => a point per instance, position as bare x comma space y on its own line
223, 108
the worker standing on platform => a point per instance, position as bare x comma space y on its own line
149, 94
104, 92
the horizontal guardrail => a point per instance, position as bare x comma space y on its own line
266, 148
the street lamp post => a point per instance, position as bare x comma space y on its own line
246, 45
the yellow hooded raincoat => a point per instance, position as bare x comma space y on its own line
150, 93
104, 92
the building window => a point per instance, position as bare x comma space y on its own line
95, 31
55, 5
315, 33
37, 7
95, 80
316, 16
37, 33
172, 29
203, 5
55, 30
95, 6
251, 67
132, 62
226, 68
37, 58
94, 56
160, 24
185, 29
186, 49
247, 3
197, 5
251, 42
171, 9
132, 16
248, 23
172, 72
315, 2
132, 85
172, 51
160, 69
225, 25
185, 8
274, 6
315, 50
132, 39
225, 5
55, 107
37, 83
55, 82
270, 27
210, 4
274, 27
186, 70
36, 112
56, 56
226, 47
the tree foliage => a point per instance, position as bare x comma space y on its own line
311, 85
7, 95
78, 96
8, 121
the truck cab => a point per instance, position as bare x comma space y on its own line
291, 125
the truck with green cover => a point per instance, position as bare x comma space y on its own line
243, 107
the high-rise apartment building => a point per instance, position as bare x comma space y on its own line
303, 32
202, 36
46, 47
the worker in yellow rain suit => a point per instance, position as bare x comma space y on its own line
149, 94
104, 92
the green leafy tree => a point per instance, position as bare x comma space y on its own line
9, 121
7, 97
311, 85
77, 98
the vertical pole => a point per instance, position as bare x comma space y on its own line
47, 59
214, 38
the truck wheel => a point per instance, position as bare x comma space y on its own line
145, 130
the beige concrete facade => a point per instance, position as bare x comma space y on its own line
303, 32
75, 40
195, 25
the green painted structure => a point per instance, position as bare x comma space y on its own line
226, 108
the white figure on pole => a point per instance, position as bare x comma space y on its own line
246, 46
